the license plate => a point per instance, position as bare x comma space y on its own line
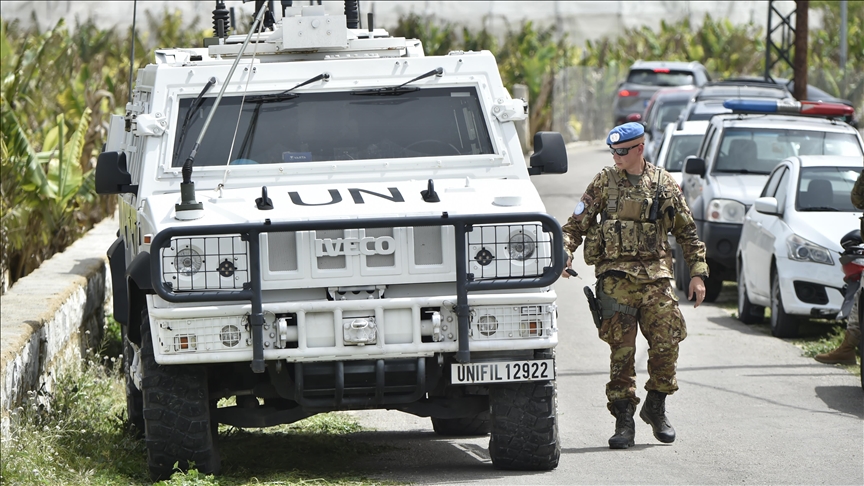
502, 371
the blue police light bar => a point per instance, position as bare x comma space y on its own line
763, 106
817, 108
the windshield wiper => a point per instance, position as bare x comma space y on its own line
741, 171
401, 89
287, 94
192, 110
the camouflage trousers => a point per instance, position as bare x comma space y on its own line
662, 324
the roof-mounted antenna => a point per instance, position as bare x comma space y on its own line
189, 208
352, 13
220, 21
132, 48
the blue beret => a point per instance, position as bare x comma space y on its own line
625, 133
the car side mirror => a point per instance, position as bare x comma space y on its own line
550, 154
766, 205
695, 166
112, 177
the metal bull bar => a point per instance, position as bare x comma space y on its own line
465, 281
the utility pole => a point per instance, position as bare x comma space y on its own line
843, 44
799, 63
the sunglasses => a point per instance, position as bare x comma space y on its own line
622, 151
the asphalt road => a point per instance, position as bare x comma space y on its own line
750, 409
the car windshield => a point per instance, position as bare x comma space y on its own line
660, 77
680, 147
320, 127
704, 111
826, 189
758, 150
726, 92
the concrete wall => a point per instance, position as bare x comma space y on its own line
52, 317
581, 21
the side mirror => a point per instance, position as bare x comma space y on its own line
550, 154
112, 176
634, 117
694, 165
766, 205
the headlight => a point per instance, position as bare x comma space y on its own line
802, 250
521, 246
726, 211
188, 261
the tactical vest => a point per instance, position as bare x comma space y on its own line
626, 231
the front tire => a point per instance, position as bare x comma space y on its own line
748, 313
177, 421
782, 324
524, 426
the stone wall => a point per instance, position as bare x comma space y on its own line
52, 317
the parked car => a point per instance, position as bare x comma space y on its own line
813, 93
678, 142
737, 154
708, 101
663, 108
646, 77
788, 256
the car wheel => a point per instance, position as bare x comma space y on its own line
782, 324
861, 339
525, 424
747, 312
177, 424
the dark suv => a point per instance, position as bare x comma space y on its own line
646, 77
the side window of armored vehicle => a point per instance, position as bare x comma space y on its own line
321, 127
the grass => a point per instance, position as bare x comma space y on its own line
77, 434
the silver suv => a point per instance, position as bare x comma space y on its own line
736, 156
646, 77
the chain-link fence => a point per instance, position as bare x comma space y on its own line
582, 100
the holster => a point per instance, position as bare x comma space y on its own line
594, 305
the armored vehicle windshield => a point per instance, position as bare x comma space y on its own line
328, 126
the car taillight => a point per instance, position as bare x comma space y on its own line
661, 70
626, 92
852, 270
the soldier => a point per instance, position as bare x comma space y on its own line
624, 217
845, 353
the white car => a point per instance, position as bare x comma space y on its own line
679, 142
788, 256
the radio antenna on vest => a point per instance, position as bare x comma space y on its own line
132, 48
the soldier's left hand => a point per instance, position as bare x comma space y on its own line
697, 288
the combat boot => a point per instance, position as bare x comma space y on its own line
625, 428
845, 353
654, 414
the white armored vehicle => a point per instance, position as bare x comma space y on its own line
318, 217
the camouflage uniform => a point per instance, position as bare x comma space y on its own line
633, 265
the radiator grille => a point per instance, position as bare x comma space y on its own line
282, 251
330, 262
427, 245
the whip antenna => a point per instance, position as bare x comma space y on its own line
132, 48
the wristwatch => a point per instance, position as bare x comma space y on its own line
703, 276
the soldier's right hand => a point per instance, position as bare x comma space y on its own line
569, 265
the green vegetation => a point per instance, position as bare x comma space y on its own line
76, 434
827, 340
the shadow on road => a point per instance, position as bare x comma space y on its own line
844, 399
